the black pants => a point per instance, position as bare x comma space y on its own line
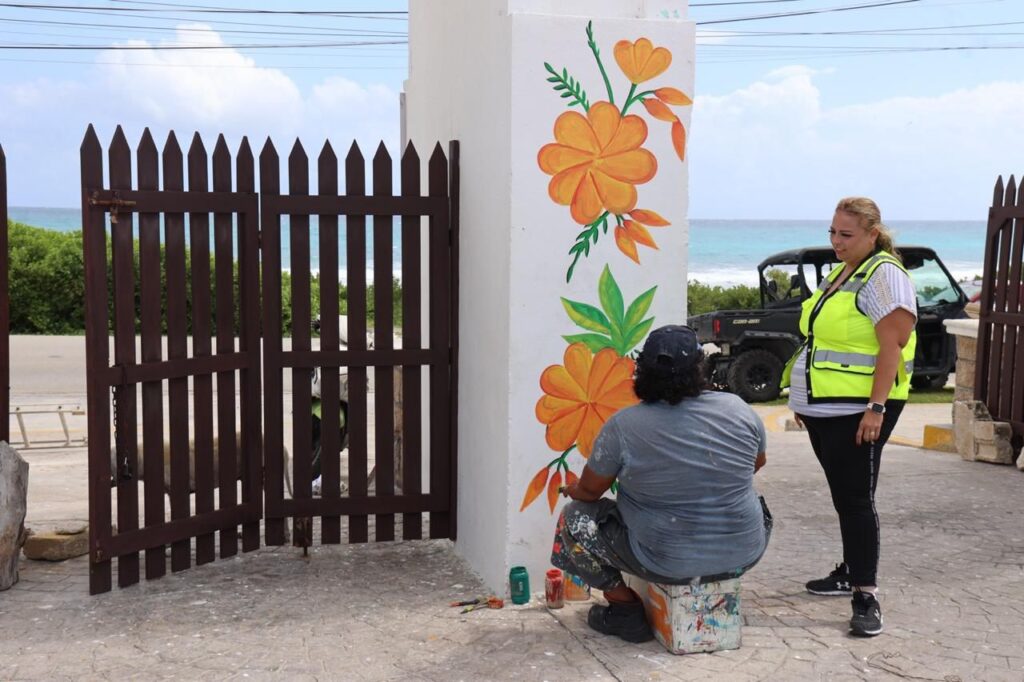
852, 473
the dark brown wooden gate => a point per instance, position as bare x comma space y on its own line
151, 290
422, 357
999, 381
5, 311
166, 278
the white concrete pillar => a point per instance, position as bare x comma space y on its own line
477, 74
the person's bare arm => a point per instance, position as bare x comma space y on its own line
761, 460
893, 333
590, 487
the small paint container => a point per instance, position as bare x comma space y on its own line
554, 589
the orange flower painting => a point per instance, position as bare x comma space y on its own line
641, 61
597, 161
581, 394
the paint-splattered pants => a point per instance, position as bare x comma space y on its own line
592, 542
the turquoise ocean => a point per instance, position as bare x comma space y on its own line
724, 252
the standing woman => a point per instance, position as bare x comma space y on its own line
848, 384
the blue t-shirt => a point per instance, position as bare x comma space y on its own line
686, 482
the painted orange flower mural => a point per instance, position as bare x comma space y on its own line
594, 381
596, 163
598, 159
580, 395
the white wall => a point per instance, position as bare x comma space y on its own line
477, 75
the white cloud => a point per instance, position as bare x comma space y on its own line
772, 149
42, 121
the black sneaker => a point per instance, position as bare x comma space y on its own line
624, 620
867, 615
836, 584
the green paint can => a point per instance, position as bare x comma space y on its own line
519, 584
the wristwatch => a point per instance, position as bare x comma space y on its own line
877, 408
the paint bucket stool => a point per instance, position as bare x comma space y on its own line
688, 619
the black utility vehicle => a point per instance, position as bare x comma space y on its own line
754, 345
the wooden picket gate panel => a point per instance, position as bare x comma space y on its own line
1000, 369
436, 357
139, 264
5, 311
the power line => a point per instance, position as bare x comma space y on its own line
328, 32
256, 46
873, 31
800, 13
325, 67
367, 14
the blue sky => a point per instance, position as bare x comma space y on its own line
782, 126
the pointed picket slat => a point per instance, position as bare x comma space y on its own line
383, 330
411, 437
454, 182
330, 385
224, 257
202, 310
251, 443
151, 324
355, 235
126, 416
302, 413
97, 360
440, 282
273, 380
177, 348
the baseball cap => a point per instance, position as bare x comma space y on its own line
674, 346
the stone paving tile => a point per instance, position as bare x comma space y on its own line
952, 591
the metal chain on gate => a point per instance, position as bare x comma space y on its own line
124, 471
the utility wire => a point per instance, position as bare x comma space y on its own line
800, 13
155, 48
368, 14
328, 32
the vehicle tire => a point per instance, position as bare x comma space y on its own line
925, 382
754, 376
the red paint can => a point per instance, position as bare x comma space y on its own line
554, 589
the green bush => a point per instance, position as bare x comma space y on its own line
47, 286
47, 281
705, 298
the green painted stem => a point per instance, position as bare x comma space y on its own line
600, 65
635, 98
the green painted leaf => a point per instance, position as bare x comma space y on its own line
637, 334
611, 297
586, 316
595, 342
638, 308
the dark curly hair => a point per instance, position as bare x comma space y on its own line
659, 381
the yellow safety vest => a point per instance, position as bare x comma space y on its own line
841, 347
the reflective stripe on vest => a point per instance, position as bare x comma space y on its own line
853, 359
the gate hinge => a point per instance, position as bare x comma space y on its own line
113, 204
